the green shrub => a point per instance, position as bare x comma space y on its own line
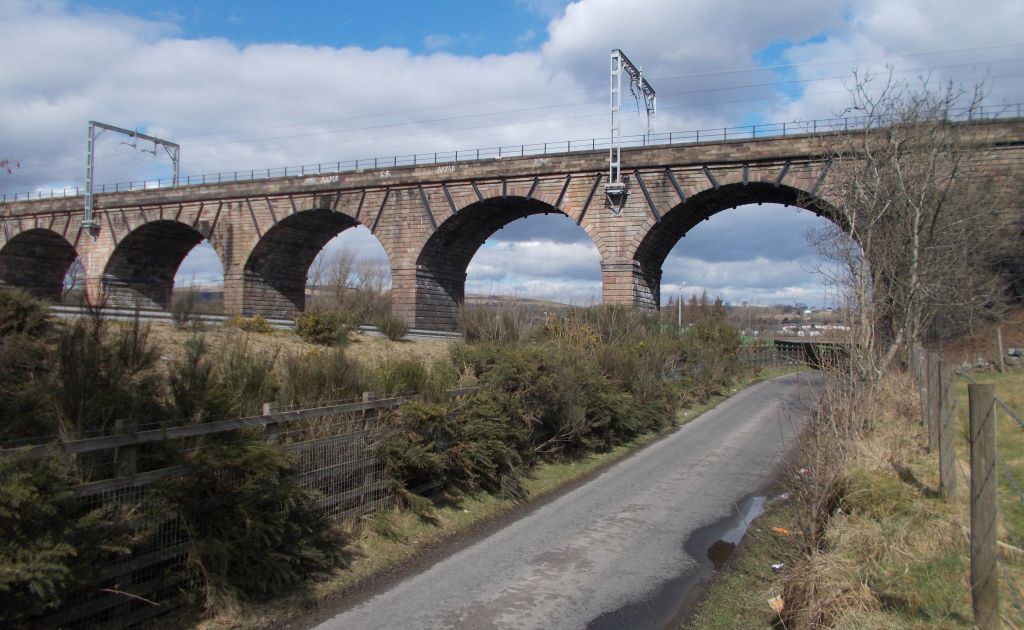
254, 532
441, 379
22, 314
254, 324
471, 449
709, 348
196, 391
26, 356
50, 545
104, 372
326, 328
246, 377
414, 452
394, 328
486, 449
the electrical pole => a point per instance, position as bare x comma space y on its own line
172, 149
615, 189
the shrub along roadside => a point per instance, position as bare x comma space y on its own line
253, 532
78, 379
590, 381
50, 543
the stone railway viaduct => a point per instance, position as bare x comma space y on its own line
430, 219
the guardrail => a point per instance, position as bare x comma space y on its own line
164, 317
694, 136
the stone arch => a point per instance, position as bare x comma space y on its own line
650, 247
440, 282
274, 276
37, 260
140, 271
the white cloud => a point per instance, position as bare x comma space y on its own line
538, 259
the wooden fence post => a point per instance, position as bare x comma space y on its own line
127, 457
934, 402
947, 430
984, 578
272, 430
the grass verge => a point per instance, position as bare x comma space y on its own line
894, 555
390, 542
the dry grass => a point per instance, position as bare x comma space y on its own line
368, 351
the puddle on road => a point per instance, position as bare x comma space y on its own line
667, 605
720, 550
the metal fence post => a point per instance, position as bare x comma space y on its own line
984, 578
947, 430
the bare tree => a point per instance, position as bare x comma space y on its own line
919, 202
358, 288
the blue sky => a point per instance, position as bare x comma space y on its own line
463, 27
265, 84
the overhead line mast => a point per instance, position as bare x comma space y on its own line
172, 149
615, 189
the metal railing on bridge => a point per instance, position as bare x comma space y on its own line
715, 134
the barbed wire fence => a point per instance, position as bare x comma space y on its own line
943, 417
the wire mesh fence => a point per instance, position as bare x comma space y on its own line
332, 453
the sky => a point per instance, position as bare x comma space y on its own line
264, 84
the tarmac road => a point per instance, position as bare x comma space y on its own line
619, 550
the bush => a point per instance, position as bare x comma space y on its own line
50, 545
105, 372
26, 357
472, 449
22, 314
246, 377
254, 532
196, 391
414, 453
326, 328
254, 324
710, 348
394, 328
